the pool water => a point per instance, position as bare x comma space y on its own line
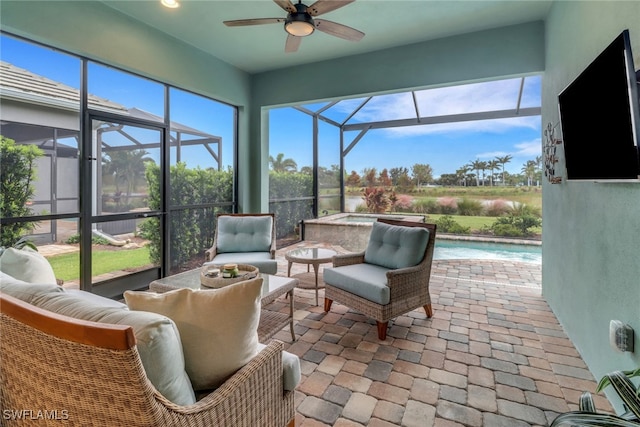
458, 249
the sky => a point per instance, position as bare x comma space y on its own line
445, 147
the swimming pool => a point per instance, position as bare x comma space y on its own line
351, 231
459, 249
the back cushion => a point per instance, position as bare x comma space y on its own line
27, 292
157, 340
395, 246
27, 265
244, 233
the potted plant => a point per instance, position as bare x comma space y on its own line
587, 415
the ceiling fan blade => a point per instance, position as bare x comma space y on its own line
292, 44
256, 21
286, 5
324, 6
338, 30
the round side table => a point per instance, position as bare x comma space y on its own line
310, 256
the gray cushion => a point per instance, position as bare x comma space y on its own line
261, 260
157, 339
291, 372
365, 280
395, 246
244, 233
27, 292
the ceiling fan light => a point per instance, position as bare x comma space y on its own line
172, 4
299, 24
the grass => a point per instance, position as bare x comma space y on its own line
474, 222
67, 266
531, 196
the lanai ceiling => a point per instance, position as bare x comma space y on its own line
386, 23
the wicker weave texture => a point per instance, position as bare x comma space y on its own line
409, 287
83, 385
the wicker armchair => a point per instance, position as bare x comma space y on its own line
245, 239
90, 374
408, 286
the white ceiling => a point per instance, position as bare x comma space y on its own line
386, 23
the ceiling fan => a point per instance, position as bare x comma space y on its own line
300, 21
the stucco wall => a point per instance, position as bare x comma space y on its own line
591, 237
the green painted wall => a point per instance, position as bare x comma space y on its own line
490, 54
97, 32
591, 238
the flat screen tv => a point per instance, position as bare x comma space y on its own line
600, 116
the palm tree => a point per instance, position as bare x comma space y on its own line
492, 165
483, 167
280, 164
127, 167
477, 165
529, 170
503, 161
461, 174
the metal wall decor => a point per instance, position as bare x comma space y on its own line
549, 151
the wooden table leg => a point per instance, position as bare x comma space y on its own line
289, 269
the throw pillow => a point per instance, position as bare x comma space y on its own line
218, 327
396, 246
27, 265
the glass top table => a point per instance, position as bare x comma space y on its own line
310, 256
272, 287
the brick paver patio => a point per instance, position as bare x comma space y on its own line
492, 355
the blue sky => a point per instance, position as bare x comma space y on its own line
446, 147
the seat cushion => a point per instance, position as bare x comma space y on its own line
291, 373
27, 265
244, 233
261, 260
157, 339
365, 280
218, 327
395, 246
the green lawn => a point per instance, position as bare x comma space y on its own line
67, 266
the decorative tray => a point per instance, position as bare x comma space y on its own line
245, 272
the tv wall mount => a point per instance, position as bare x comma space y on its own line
549, 151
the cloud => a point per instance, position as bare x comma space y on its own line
463, 99
531, 148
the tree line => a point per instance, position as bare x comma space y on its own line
474, 173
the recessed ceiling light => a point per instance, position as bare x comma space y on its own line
170, 3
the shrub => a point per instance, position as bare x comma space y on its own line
515, 226
447, 224
376, 199
520, 209
361, 208
17, 174
469, 207
403, 203
498, 207
96, 240
425, 206
447, 205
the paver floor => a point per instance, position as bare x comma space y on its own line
493, 354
